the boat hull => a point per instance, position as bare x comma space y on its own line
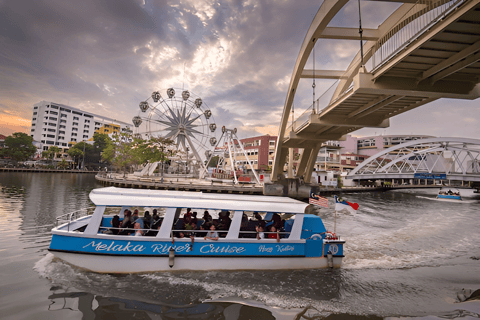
135, 264
127, 254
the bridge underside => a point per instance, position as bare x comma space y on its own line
441, 62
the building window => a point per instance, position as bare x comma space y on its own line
87, 126
52, 124
34, 108
34, 119
79, 113
85, 137
54, 113
96, 129
74, 129
64, 145
62, 127
34, 113
61, 132
63, 115
50, 142
63, 121
74, 139
32, 130
33, 124
76, 118
74, 134
54, 107
50, 136
51, 130
85, 131
75, 123
52, 118
87, 121
61, 138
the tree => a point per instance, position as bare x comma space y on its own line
63, 164
75, 154
51, 152
83, 146
100, 143
153, 150
214, 161
119, 151
18, 147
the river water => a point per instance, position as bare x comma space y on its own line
407, 256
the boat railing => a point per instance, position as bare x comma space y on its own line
69, 217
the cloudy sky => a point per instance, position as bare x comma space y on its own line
105, 56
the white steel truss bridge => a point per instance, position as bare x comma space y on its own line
456, 158
424, 51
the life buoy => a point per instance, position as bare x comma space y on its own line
330, 235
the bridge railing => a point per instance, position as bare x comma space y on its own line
320, 103
418, 20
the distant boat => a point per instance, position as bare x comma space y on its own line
449, 193
87, 241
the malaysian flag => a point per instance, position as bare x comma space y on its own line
318, 200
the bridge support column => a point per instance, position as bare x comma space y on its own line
290, 162
311, 163
303, 161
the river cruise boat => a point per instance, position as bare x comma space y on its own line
88, 240
447, 193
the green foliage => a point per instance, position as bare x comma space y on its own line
63, 164
51, 152
75, 154
101, 141
125, 150
18, 147
214, 161
153, 150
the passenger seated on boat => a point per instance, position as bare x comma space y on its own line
260, 234
127, 223
243, 226
147, 219
138, 226
224, 220
207, 217
194, 218
274, 233
189, 225
135, 215
115, 224
212, 234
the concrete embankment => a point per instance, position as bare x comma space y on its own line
186, 184
178, 184
45, 170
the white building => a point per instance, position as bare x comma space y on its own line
55, 124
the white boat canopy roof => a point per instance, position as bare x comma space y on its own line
112, 196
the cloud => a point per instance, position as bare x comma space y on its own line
105, 56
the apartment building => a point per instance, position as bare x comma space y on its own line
55, 124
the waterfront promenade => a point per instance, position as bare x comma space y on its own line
45, 170
222, 186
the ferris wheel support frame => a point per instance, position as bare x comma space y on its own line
232, 136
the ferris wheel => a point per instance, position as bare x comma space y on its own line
184, 118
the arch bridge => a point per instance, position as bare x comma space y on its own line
425, 50
453, 158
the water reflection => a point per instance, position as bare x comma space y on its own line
98, 307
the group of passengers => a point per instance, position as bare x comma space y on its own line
449, 193
190, 226
148, 225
